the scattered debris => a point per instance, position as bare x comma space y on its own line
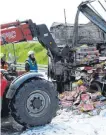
82, 100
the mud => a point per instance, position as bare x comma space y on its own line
10, 127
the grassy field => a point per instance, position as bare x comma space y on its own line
22, 49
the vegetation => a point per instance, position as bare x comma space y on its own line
21, 50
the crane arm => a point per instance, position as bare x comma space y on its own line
27, 31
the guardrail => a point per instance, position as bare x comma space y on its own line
21, 66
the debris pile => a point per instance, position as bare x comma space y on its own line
85, 54
89, 91
82, 100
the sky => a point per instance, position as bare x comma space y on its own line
40, 11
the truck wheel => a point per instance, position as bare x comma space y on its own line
95, 86
5, 103
5, 109
35, 103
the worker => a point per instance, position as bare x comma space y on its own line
30, 63
3, 63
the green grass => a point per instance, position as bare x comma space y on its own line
22, 49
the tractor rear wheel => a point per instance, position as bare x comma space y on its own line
35, 103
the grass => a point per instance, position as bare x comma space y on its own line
21, 50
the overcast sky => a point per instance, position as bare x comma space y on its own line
40, 11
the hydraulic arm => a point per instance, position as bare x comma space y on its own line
27, 30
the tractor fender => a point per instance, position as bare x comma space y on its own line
19, 81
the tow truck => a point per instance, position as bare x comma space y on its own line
32, 99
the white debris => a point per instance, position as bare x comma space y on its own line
65, 123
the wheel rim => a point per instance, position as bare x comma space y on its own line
37, 103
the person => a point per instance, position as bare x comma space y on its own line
30, 63
3, 63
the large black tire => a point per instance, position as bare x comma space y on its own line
5, 109
5, 103
35, 103
95, 86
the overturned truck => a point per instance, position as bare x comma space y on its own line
63, 70
87, 33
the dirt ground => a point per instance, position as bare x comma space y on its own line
10, 127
